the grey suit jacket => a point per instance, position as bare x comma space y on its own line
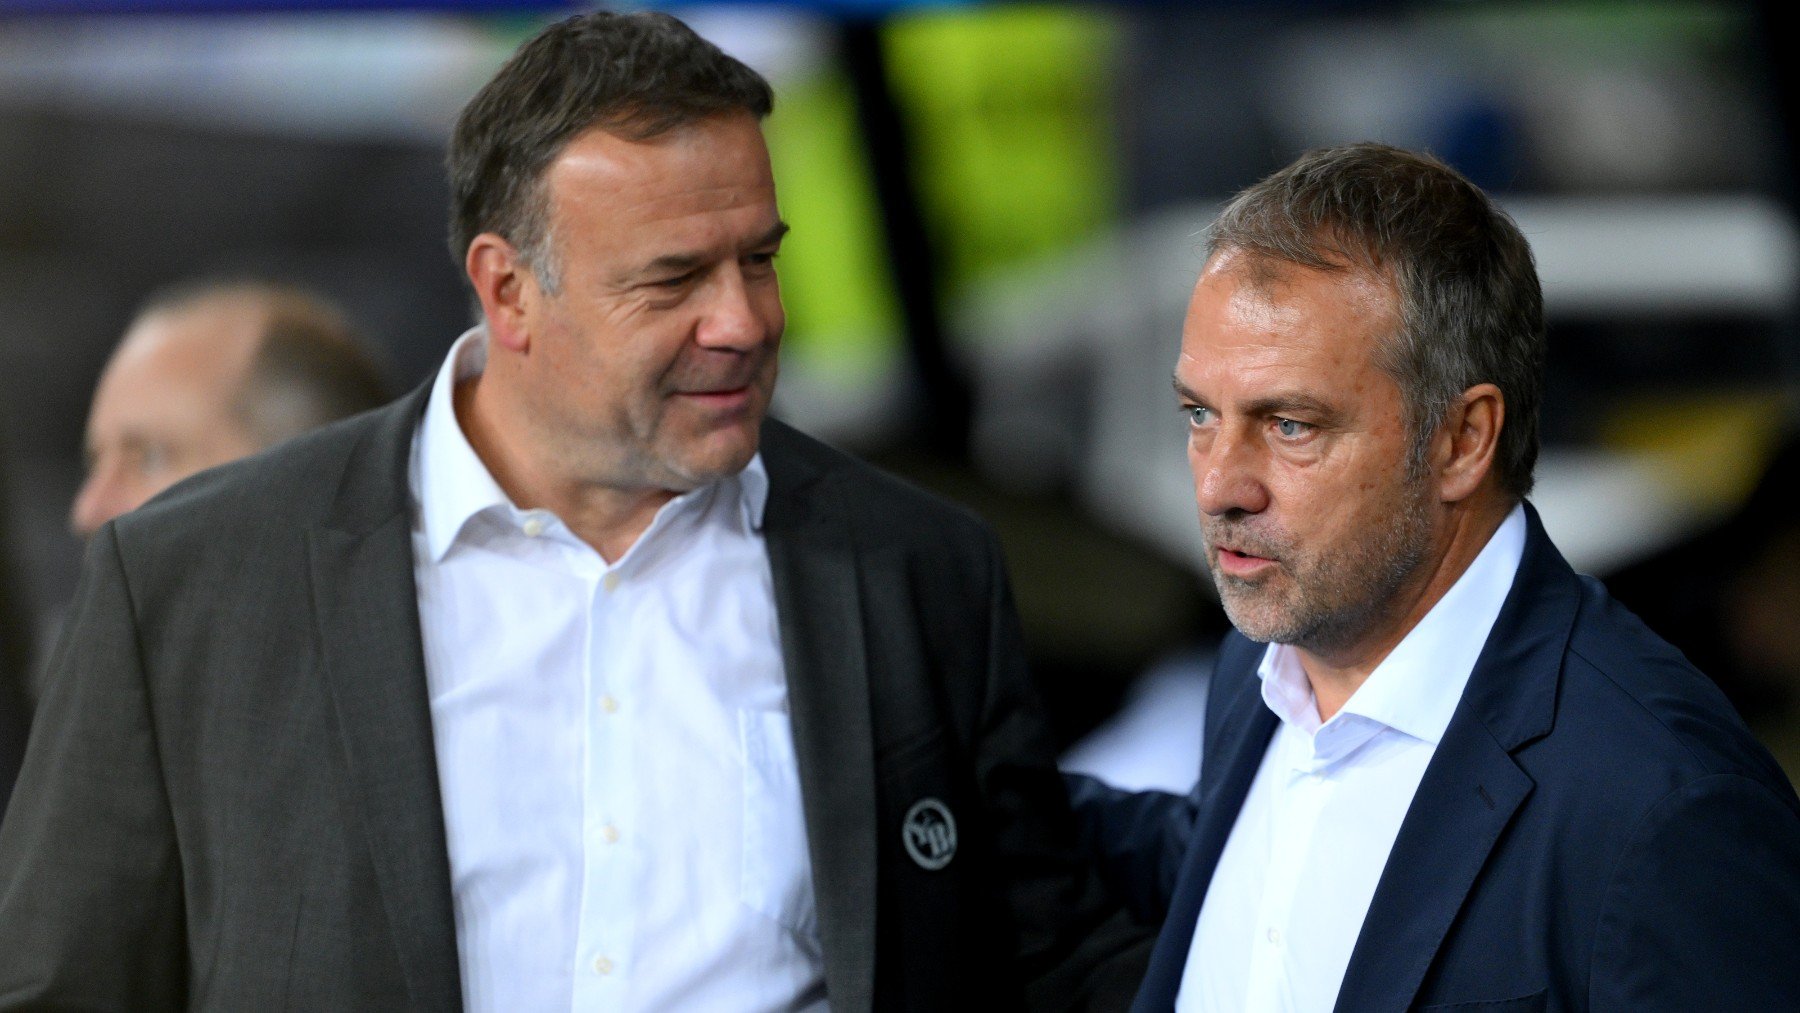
12, 734
231, 798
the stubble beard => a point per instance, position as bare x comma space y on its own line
1323, 600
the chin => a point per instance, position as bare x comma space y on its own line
719, 456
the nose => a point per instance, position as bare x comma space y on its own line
1227, 473
104, 494
745, 313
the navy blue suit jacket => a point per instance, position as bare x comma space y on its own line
1597, 829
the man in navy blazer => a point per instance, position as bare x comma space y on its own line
1459, 776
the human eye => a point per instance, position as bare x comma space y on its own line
760, 263
1197, 415
1293, 429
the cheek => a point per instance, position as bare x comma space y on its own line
1322, 498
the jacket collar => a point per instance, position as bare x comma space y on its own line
819, 572
1473, 786
365, 606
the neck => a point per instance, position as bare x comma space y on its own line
608, 518
1335, 674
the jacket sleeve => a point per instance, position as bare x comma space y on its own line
1077, 948
90, 887
1703, 910
1135, 838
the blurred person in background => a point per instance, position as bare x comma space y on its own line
1441, 769
209, 372
567, 681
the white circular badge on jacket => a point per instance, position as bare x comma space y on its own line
929, 833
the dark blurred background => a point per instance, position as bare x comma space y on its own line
997, 211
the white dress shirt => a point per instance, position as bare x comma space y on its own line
1294, 882
621, 798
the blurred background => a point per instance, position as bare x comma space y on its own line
997, 213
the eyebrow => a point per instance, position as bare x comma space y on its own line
690, 261
1288, 403
1282, 403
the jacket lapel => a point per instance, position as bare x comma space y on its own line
1467, 797
1472, 788
819, 601
1237, 740
366, 608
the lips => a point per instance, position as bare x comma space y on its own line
1240, 553
728, 400
718, 379
1240, 564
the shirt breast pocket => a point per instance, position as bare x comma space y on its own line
777, 872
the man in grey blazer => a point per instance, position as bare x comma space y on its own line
567, 681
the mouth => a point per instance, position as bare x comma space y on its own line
1237, 563
726, 399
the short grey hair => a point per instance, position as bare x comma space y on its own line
1471, 308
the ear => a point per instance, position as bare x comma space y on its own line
1464, 448
505, 287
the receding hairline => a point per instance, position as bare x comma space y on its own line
1325, 249
1267, 271
262, 321
217, 325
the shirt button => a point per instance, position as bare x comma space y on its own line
1274, 936
533, 526
609, 834
608, 704
602, 965
611, 581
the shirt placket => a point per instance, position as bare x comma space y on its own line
1300, 797
606, 931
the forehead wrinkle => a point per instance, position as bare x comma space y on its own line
1349, 314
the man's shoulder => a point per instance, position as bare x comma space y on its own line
872, 498
1633, 709
294, 482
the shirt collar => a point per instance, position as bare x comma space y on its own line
1416, 688
452, 485
451, 482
